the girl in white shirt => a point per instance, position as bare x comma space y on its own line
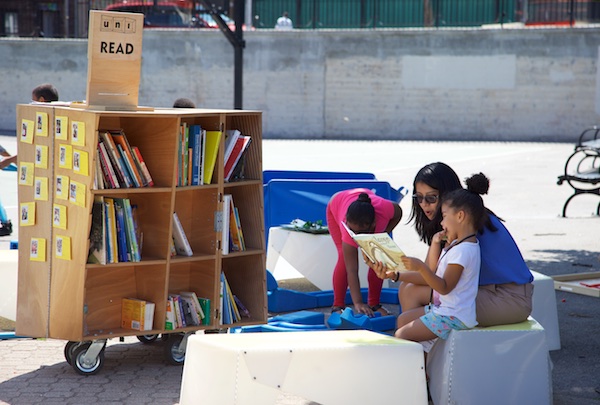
456, 276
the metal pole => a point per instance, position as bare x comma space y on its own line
238, 59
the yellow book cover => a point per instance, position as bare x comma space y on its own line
137, 314
213, 138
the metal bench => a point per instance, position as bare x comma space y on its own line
582, 169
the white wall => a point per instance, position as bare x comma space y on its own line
517, 84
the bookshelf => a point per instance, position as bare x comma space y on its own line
73, 300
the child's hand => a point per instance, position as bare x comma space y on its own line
379, 268
412, 263
440, 237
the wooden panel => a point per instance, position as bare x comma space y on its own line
33, 291
247, 279
195, 208
114, 58
68, 276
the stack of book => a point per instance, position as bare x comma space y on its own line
197, 155
114, 236
232, 237
236, 146
232, 308
118, 164
186, 309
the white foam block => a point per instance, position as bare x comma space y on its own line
328, 367
544, 308
506, 364
9, 268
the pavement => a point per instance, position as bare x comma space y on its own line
523, 192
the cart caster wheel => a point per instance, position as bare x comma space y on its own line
174, 350
69, 349
83, 367
147, 338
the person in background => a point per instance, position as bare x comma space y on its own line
184, 103
363, 212
505, 282
44, 93
284, 22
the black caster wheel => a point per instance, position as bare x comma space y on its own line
175, 350
147, 338
85, 366
70, 348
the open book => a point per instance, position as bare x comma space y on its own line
379, 247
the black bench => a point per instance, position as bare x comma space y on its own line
582, 169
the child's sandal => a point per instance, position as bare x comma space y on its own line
379, 308
337, 310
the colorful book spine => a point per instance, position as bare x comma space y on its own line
142, 163
127, 155
213, 138
123, 252
130, 227
195, 144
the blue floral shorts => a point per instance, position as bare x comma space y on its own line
441, 325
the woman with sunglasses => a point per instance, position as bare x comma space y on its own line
363, 212
505, 289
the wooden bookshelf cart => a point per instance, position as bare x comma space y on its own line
69, 299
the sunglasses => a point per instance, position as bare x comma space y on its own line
429, 198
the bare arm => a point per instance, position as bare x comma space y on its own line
395, 219
7, 161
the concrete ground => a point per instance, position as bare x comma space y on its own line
523, 191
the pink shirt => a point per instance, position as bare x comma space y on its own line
339, 203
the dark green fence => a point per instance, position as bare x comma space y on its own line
311, 14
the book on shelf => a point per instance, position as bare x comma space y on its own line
232, 307
196, 313
142, 164
231, 136
240, 147
379, 247
137, 314
235, 230
182, 245
196, 155
225, 217
242, 308
170, 321
115, 158
98, 174
205, 305
122, 249
213, 138
183, 149
139, 235
179, 323
187, 311
127, 154
239, 229
131, 230
107, 167
97, 251
111, 230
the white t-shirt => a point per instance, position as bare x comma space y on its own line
284, 23
460, 302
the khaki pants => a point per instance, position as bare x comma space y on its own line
501, 304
